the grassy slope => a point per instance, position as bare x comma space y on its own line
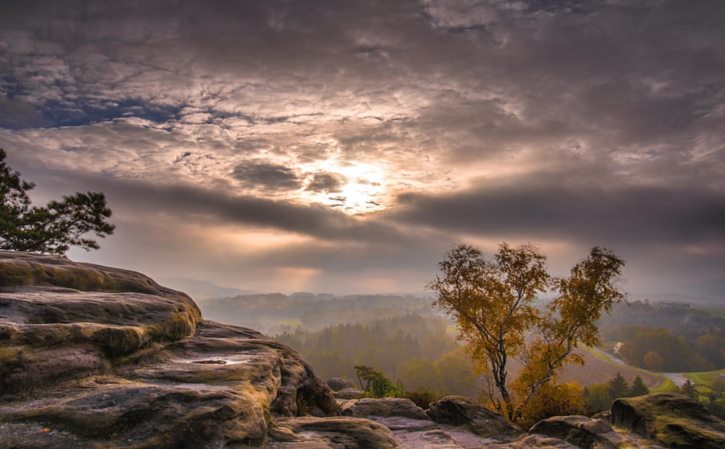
665, 386
598, 368
704, 380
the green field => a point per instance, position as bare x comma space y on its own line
705, 378
665, 386
714, 311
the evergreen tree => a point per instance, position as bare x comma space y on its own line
617, 387
53, 228
638, 387
688, 389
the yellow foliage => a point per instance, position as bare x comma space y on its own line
493, 304
554, 399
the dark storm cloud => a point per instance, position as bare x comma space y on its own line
619, 216
264, 175
16, 114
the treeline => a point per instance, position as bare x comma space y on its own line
599, 397
417, 351
666, 337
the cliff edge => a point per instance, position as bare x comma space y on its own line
97, 357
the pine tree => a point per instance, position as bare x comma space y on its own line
638, 387
688, 389
617, 387
53, 228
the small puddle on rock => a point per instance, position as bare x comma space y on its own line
231, 360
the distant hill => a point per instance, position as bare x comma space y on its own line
717, 297
202, 290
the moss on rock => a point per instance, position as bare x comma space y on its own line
672, 419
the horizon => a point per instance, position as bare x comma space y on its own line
345, 146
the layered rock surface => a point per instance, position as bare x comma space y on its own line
96, 357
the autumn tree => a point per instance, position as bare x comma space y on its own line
493, 303
53, 228
653, 361
554, 399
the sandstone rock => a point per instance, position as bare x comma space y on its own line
99, 357
461, 411
338, 384
382, 407
417, 434
333, 433
672, 419
582, 431
428, 439
349, 393
534, 442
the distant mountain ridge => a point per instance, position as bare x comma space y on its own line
203, 290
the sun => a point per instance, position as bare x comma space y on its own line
364, 190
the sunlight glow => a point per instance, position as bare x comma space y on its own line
365, 187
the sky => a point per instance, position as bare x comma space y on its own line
345, 145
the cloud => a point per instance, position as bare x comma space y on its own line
325, 183
16, 114
621, 216
266, 176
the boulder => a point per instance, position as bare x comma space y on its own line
382, 407
582, 431
461, 411
338, 383
332, 433
534, 442
349, 393
672, 419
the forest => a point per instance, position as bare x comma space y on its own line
418, 351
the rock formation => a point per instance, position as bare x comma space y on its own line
94, 357
672, 419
